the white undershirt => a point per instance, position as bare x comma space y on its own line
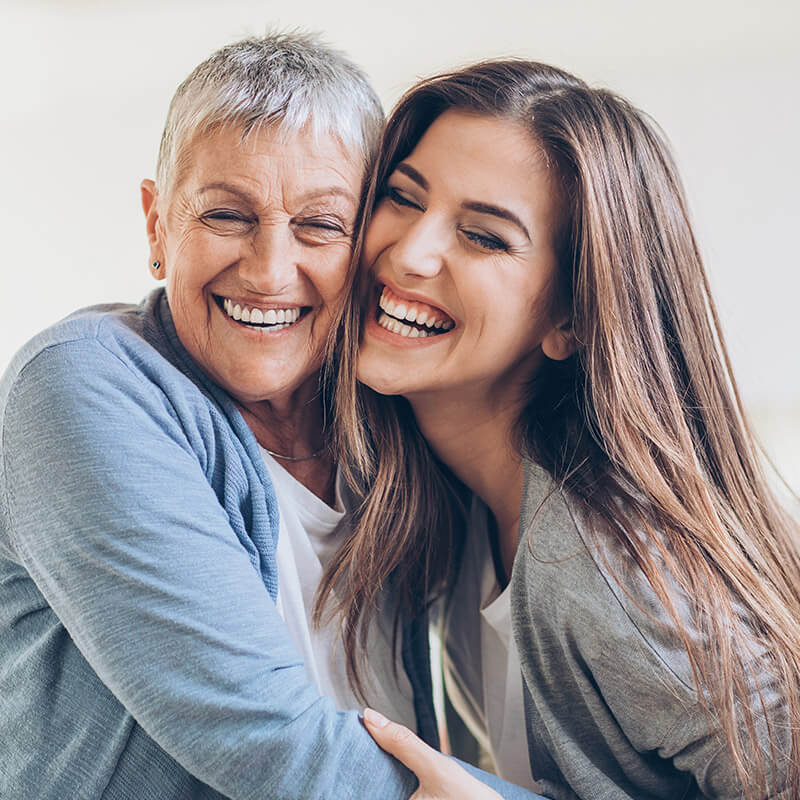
482, 669
308, 537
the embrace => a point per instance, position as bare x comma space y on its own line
460, 371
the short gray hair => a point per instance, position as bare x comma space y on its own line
292, 81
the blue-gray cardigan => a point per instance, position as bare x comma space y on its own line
141, 652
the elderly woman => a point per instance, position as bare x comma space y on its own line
150, 613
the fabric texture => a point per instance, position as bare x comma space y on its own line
611, 709
310, 534
482, 676
141, 652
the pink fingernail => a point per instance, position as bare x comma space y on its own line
375, 718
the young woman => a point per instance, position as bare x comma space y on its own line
554, 442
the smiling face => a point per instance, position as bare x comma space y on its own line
461, 254
255, 241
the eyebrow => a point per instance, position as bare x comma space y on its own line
496, 211
415, 176
471, 205
313, 194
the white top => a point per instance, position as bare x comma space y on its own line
308, 536
481, 665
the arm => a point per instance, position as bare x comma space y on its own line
113, 517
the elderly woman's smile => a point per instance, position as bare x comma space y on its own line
269, 319
256, 235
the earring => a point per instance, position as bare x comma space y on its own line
156, 264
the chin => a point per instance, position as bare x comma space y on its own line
382, 384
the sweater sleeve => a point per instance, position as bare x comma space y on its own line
609, 680
112, 515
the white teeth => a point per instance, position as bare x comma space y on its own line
401, 311
276, 318
395, 326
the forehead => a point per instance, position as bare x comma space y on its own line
269, 160
485, 158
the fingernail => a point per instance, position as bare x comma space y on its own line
374, 718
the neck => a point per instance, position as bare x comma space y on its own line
292, 425
475, 440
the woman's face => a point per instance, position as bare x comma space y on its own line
255, 239
461, 257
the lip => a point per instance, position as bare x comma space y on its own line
379, 283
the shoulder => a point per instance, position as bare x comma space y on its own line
600, 654
108, 383
117, 354
589, 627
582, 584
117, 327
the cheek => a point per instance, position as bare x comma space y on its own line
329, 272
382, 231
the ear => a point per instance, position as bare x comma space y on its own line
560, 342
154, 227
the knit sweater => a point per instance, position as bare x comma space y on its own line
612, 711
141, 651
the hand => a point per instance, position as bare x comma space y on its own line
440, 778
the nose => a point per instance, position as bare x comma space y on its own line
270, 264
420, 250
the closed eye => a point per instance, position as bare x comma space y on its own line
226, 219
486, 241
322, 223
401, 198
226, 215
320, 230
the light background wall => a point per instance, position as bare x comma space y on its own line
85, 87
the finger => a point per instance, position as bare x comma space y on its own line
404, 745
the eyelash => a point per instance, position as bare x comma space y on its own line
226, 216
492, 243
397, 197
487, 242
323, 223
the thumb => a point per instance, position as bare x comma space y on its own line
405, 746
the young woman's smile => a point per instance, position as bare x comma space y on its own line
461, 254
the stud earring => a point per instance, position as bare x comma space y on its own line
156, 264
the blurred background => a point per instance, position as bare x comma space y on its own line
86, 87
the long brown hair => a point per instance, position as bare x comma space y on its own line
643, 424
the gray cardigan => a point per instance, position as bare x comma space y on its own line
610, 707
